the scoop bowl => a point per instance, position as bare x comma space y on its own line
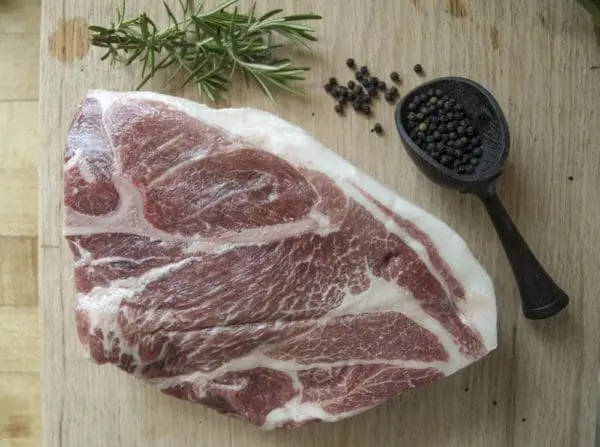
540, 296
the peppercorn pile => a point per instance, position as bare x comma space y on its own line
440, 126
360, 92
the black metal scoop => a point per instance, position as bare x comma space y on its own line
540, 296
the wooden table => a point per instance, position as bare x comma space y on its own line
539, 387
20, 385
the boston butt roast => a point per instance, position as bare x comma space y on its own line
229, 259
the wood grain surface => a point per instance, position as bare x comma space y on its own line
20, 384
539, 387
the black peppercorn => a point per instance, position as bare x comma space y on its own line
356, 106
364, 70
477, 152
328, 88
411, 105
418, 68
474, 161
335, 92
351, 97
358, 90
339, 109
436, 155
469, 169
351, 84
359, 76
445, 159
420, 116
350, 63
393, 91
333, 81
470, 131
366, 109
382, 86
378, 128
438, 92
394, 76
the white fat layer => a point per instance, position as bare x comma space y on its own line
270, 133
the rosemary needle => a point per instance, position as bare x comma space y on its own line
209, 47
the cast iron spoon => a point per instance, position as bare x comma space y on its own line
540, 296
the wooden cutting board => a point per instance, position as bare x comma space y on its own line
539, 387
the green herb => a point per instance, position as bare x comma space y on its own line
209, 47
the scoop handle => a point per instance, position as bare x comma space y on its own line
540, 296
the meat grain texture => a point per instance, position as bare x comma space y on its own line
229, 259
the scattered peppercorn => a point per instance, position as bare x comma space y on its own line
364, 70
333, 81
418, 68
339, 109
571, 177
378, 129
328, 88
394, 76
382, 86
350, 63
351, 84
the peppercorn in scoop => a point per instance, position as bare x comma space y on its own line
440, 126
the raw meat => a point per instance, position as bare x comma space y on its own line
231, 260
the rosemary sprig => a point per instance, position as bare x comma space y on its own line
209, 47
